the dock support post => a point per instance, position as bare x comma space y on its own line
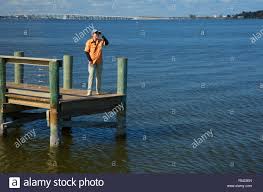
67, 71
19, 69
67, 82
2, 94
122, 89
54, 102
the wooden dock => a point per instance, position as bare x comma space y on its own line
59, 103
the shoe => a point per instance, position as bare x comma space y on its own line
89, 93
97, 93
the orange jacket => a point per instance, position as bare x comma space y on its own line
94, 48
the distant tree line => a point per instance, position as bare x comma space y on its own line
250, 15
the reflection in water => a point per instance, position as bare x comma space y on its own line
8, 150
96, 155
52, 160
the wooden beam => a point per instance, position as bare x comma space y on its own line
30, 60
88, 107
29, 103
30, 87
27, 98
29, 93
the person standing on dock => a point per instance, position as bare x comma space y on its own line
93, 51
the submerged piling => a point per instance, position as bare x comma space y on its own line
19, 69
54, 102
67, 83
122, 89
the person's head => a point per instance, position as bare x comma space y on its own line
95, 34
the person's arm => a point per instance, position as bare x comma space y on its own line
105, 40
87, 49
88, 56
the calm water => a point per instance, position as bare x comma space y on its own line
185, 78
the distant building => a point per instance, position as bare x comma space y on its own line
240, 17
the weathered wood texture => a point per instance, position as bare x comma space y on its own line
19, 69
67, 71
2, 93
122, 89
89, 106
30, 60
67, 81
54, 102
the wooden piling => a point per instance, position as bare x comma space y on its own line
54, 102
67, 84
67, 71
19, 69
2, 94
122, 89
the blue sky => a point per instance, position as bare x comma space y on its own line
129, 7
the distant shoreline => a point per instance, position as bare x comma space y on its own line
56, 17
243, 15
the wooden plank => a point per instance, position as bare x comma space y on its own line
67, 92
27, 98
72, 98
29, 93
73, 92
88, 124
29, 103
30, 87
30, 60
88, 107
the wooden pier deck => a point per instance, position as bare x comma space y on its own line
71, 101
60, 103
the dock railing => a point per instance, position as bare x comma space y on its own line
19, 61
